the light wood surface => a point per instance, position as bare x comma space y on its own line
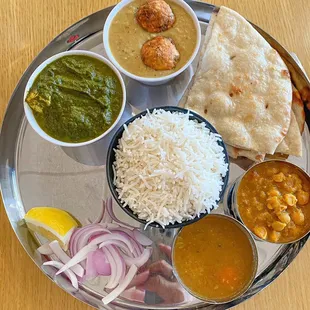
26, 27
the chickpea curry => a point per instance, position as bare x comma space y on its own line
214, 258
273, 201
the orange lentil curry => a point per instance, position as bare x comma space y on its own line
214, 258
273, 201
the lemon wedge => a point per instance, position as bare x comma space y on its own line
51, 223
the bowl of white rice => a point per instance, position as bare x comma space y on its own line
167, 167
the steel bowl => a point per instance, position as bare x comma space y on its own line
235, 205
255, 262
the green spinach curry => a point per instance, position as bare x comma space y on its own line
76, 98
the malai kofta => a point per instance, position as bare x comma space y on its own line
141, 31
273, 201
160, 53
155, 16
215, 258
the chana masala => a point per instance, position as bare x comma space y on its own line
273, 201
214, 258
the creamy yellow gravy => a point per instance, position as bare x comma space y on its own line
126, 38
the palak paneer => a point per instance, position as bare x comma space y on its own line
76, 98
273, 201
214, 258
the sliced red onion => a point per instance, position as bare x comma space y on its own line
45, 249
102, 265
68, 272
112, 214
141, 238
137, 248
113, 266
64, 258
91, 271
126, 230
80, 236
133, 294
121, 245
78, 257
139, 279
112, 236
120, 266
88, 234
140, 260
122, 286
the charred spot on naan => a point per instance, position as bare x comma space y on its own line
235, 90
285, 74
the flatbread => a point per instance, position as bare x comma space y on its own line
242, 85
290, 145
299, 110
235, 152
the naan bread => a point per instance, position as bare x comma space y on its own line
290, 145
235, 152
298, 109
242, 85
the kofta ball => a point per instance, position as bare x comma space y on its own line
160, 53
155, 16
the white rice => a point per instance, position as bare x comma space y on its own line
169, 168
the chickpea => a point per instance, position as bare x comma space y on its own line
273, 200
272, 171
274, 236
290, 199
281, 208
274, 192
298, 217
269, 206
260, 231
278, 226
280, 177
284, 217
302, 197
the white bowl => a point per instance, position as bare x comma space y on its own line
148, 80
28, 111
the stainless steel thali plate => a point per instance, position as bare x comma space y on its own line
35, 172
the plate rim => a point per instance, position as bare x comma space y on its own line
8, 164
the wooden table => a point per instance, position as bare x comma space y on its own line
26, 27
